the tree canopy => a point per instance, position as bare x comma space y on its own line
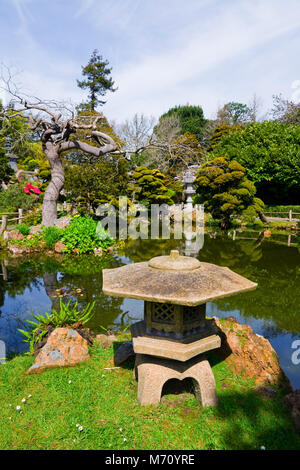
233, 113
270, 152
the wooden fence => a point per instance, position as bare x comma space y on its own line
5, 219
290, 215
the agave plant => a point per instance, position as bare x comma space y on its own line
66, 315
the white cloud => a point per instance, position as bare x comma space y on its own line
158, 79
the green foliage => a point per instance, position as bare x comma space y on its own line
225, 191
34, 217
52, 235
282, 210
66, 315
6, 171
82, 235
270, 152
219, 133
151, 186
191, 119
14, 198
97, 80
24, 229
93, 184
15, 129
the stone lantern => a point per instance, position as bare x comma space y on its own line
171, 339
189, 190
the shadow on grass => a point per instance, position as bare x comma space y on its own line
244, 418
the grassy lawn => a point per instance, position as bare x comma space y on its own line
104, 403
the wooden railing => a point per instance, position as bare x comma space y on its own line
4, 217
290, 214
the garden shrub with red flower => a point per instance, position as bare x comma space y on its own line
15, 198
30, 189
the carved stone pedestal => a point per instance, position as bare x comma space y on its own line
153, 372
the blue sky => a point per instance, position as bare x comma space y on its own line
163, 52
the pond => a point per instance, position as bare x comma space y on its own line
36, 284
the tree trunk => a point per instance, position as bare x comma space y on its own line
55, 186
225, 223
262, 217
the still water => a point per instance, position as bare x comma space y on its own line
33, 285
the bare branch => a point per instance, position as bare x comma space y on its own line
110, 145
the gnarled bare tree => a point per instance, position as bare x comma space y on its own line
57, 135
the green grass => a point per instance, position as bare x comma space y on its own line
104, 401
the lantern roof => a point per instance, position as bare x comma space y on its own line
174, 279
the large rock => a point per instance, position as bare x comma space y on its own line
18, 250
13, 235
249, 354
63, 222
292, 402
36, 229
60, 247
65, 347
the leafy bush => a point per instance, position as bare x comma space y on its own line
67, 315
82, 235
52, 235
13, 198
24, 229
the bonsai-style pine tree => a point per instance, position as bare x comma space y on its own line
150, 186
97, 80
225, 191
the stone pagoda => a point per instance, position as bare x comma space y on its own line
171, 340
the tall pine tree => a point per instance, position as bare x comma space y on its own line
97, 80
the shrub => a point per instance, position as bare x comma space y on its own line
224, 190
13, 198
82, 235
52, 235
24, 229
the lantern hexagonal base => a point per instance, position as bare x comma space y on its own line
170, 349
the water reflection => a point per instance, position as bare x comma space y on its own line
34, 285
